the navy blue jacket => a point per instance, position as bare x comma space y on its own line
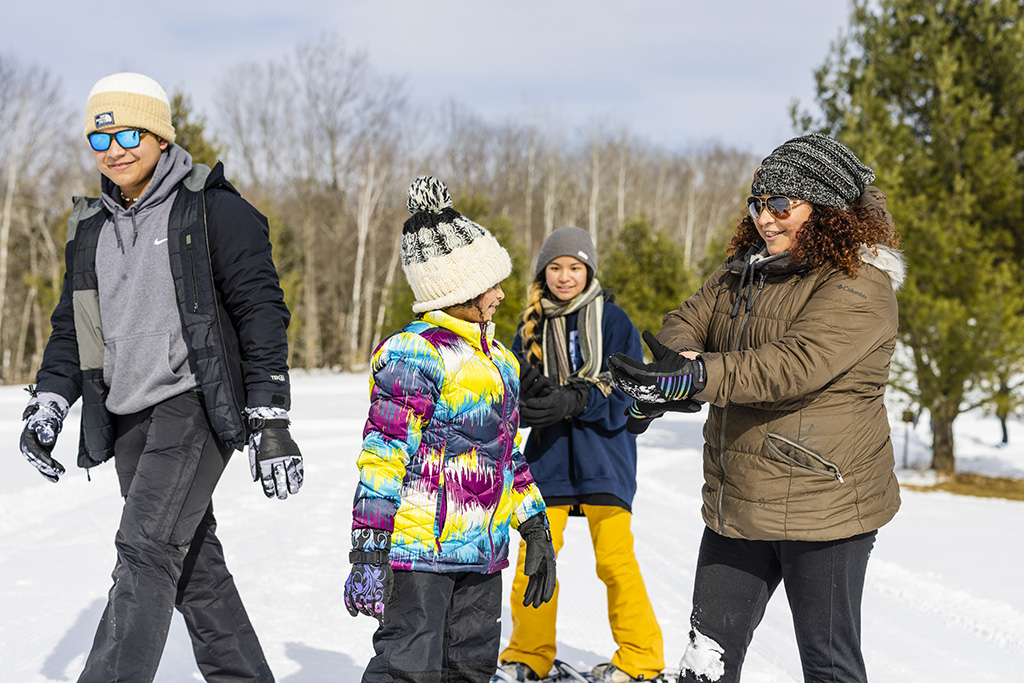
587, 458
232, 309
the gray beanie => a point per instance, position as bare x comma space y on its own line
447, 258
815, 168
568, 241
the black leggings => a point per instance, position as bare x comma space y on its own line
735, 578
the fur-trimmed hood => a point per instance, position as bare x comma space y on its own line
888, 260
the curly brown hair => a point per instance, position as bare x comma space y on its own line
830, 235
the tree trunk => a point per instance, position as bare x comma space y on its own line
942, 437
366, 182
531, 173
312, 351
5, 224
620, 207
385, 295
595, 189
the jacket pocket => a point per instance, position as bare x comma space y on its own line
799, 456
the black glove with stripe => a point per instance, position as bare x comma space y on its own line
669, 377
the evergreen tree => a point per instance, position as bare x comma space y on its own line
931, 95
190, 131
647, 272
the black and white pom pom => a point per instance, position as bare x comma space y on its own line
427, 193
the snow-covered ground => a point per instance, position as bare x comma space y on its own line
944, 600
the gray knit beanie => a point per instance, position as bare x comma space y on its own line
815, 168
567, 241
447, 258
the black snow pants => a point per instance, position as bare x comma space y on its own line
438, 628
735, 579
168, 557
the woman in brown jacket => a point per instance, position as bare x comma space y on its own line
789, 343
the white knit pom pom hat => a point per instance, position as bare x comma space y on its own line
447, 258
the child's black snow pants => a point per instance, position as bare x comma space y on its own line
439, 628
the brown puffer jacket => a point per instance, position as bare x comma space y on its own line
797, 437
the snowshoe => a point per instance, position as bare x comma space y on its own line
568, 672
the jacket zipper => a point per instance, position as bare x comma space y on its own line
827, 468
503, 438
192, 273
725, 410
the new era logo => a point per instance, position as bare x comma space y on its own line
104, 119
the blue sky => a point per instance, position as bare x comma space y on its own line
677, 73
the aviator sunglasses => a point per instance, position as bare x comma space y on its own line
777, 206
128, 139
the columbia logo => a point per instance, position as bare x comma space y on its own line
104, 119
851, 290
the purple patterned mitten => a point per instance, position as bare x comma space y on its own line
370, 583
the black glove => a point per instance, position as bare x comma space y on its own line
274, 459
533, 382
540, 560
557, 404
44, 417
669, 377
371, 581
639, 416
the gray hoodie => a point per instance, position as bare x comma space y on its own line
145, 358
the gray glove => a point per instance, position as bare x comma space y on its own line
274, 459
44, 416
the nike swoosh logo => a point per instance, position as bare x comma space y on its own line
160, 241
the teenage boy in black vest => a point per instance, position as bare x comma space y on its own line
171, 327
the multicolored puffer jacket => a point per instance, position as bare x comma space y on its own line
440, 466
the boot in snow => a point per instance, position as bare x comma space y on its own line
513, 672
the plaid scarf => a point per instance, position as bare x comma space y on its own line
589, 304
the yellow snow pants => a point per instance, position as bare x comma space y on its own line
630, 615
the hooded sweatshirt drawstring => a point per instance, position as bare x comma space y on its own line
117, 231
753, 262
118, 211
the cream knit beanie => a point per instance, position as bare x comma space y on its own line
447, 258
131, 100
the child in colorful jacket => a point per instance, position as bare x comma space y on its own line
442, 478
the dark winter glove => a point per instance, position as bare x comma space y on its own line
274, 459
639, 416
557, 404
369, 585
540, 560
669, 377
533, 382
44, 416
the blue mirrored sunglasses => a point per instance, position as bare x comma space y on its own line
128, 139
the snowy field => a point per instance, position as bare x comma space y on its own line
944, 599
